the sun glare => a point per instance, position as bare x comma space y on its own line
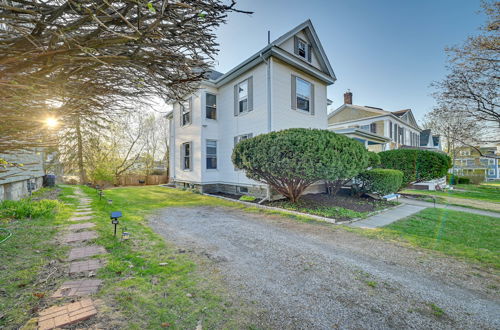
51, 122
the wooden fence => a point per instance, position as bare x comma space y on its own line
140, 180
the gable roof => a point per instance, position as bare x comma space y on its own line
378, 112
273, 49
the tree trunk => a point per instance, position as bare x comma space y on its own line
81, 168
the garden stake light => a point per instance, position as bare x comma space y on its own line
100, 194
114, 219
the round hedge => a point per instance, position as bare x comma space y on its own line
416, 165
379, 181
292, 159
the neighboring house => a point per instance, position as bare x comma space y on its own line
281, 86
429, 141
24, 174
378, 129
470, 163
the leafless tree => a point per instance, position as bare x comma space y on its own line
471, 88
88, 55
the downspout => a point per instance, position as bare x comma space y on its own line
269, 113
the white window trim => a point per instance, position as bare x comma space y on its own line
183, 157
206, 106
181, 107
297, 95
216, 155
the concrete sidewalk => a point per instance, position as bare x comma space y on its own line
415, 202
385, 218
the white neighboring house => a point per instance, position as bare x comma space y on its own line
281, 86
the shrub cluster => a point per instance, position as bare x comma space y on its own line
378, 181
416, 165
27, 208
292, 159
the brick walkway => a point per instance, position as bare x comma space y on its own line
60, 316
80, 226
77, 288
78, 237
84, 266
82, 218
85, 252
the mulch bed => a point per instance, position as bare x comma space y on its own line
342, 199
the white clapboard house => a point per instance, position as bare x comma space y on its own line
281, 86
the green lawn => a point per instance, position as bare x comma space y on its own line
483, 192
148, 293
25, 273
469, 236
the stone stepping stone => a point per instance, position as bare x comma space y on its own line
80, 226
84, 266
60, 316
81, 213
86, 251
83, 209
85, 217
78, 237
77, 288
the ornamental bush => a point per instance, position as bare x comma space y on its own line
373, 159
291, 160
416, 165
378, 181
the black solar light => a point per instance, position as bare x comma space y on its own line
110, 201
100, 194
114, 218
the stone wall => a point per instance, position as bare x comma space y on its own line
19, 189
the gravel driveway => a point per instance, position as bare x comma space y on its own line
315, 276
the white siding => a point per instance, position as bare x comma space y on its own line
283, 116
289, 44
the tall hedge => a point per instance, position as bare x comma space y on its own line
416, 165
292, 159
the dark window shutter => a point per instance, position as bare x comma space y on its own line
309, 49
235, 141
236, 99
250, 94
296, 45
311, 101
190, 102
293, 93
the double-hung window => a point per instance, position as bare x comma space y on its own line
302, 95
186, 155
185, 107
243, 96
211, 154
211, 106
302, 49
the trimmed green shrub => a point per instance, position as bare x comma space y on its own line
291, 160
463, 180
373, 159
378, 181
416, 165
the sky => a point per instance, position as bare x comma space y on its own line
386, 52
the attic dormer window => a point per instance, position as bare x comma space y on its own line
302, 49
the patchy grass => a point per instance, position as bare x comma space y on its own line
25, 257
483, 192
147, 280
436, 310
464, 235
